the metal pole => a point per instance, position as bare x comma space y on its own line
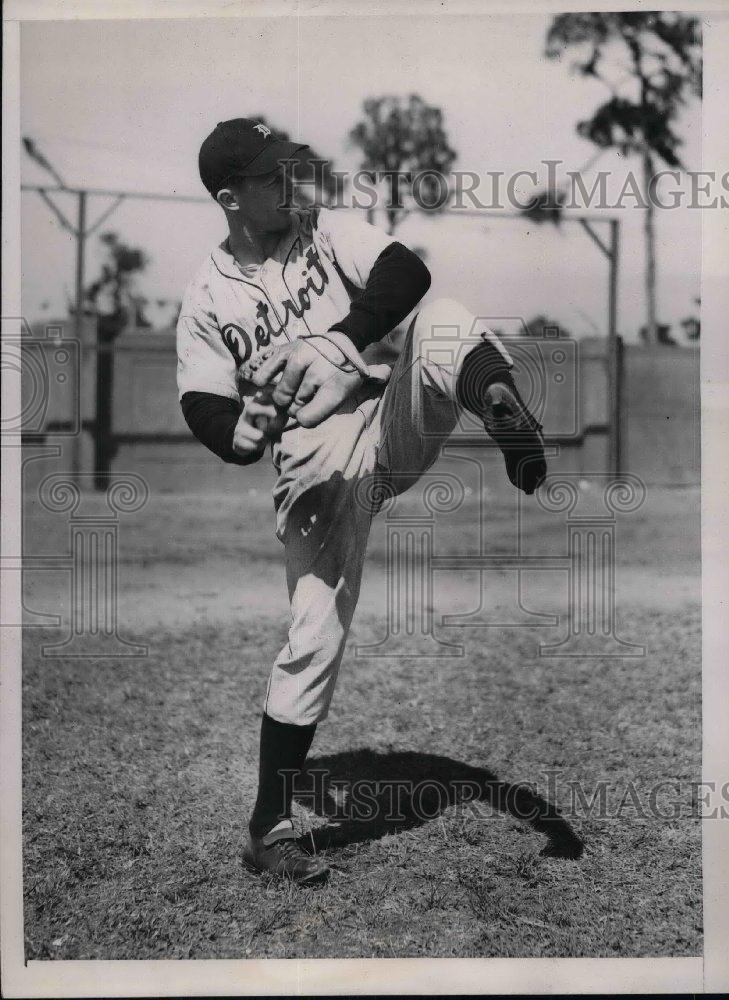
614, 444
78, 331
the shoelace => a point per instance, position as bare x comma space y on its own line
291, 850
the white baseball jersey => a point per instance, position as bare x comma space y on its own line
229, 312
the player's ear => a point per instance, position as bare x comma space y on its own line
229, 196
228, 199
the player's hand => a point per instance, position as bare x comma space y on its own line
260, 423
312, 384
249, 368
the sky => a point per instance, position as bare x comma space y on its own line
126, 104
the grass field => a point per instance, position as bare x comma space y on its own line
139, 773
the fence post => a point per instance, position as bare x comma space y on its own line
107, 329
78, 318
619, 381
614, 458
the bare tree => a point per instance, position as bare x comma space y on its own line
404, 141
115, 286
657, 59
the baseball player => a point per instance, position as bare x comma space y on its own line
270, 341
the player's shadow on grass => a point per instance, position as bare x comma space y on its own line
366, 795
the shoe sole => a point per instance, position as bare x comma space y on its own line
508, 422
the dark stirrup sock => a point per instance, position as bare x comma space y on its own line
283, 748
481, 367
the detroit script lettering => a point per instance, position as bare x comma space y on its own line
241, 344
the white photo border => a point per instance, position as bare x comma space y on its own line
383, 976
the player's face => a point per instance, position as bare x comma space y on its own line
265, 202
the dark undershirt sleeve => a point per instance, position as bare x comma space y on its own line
397, 282
212, 419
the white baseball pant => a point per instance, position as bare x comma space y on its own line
324, 476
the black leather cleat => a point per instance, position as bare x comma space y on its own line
519, 435
278, 853
486, 388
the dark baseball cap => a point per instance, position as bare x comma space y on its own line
242, 147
